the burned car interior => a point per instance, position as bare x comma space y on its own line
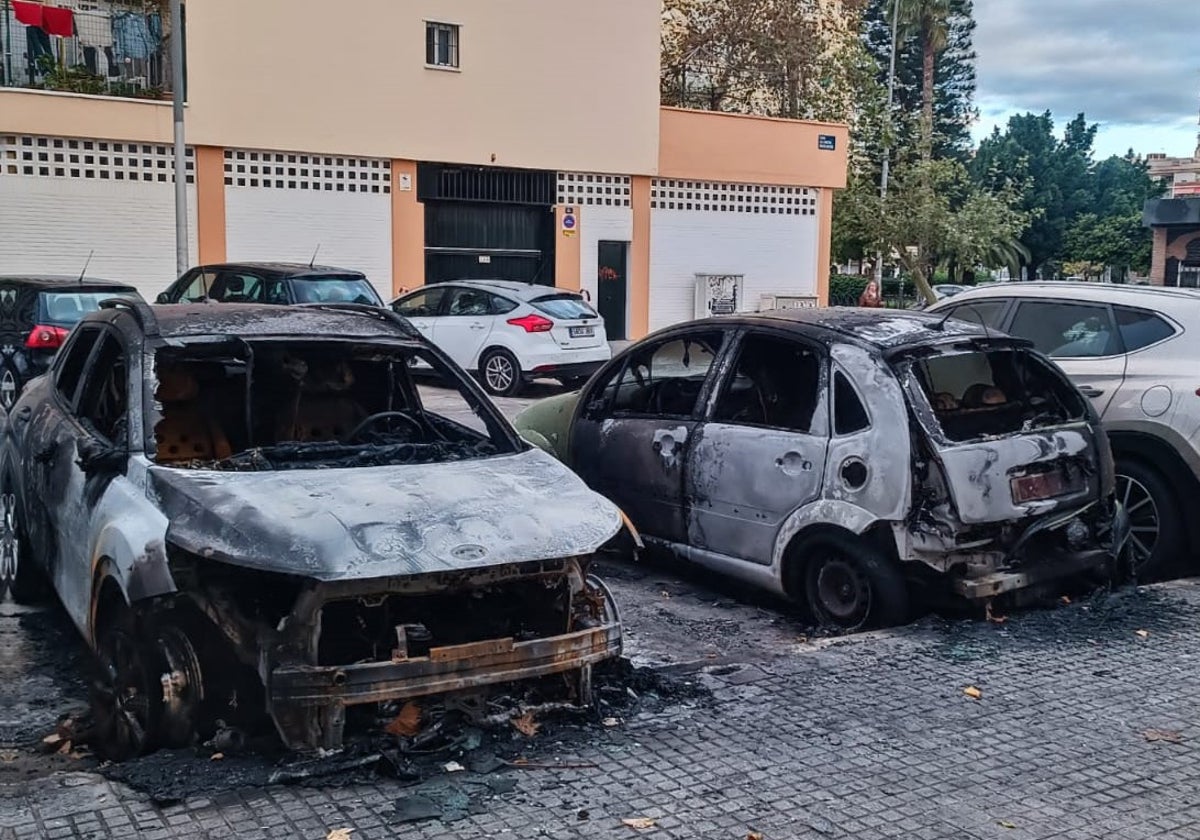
241, 405
976, 393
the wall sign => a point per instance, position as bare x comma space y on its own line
569, 221
827, 143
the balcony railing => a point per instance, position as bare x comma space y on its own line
101, 47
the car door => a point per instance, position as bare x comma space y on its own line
635, 424
1082, 338
760, 453
192, 287
45, 440
464, 325
422, 307
94, 441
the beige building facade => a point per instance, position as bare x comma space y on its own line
418, 141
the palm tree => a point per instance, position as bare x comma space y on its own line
929, 20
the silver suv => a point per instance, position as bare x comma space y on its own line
1135, 351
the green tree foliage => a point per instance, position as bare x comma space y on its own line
934, 215
1056, 172
1112, 234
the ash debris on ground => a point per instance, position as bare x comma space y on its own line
451, 764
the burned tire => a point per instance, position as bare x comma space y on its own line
500, 373
850, 585
126, 691
1158, 539
29, 584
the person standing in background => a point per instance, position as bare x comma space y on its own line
870, 296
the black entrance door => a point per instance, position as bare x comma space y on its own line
613, 287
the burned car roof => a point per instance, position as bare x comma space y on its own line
259, 320
882, 330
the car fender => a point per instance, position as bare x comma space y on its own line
840, 514
497, 338
130, 546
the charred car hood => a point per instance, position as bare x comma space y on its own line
339, 524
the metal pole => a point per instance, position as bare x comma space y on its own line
887, 146
8, 76
181, 224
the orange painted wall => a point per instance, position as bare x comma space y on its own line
711, 146
639, 258
567, 250
210, 204
824, 244
408, 229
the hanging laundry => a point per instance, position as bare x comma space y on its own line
94, 27
59, 21
28, 13
131, 33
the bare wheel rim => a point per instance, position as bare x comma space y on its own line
499, 373
125, 696
843, 592
1144, 523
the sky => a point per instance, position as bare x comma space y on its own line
1132, 66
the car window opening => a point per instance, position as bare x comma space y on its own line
978, 394
267, 406
666, 379
566, 307
335, 290
776, 384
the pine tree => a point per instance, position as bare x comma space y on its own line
954, 78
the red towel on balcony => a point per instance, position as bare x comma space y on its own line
58, 21
27, 13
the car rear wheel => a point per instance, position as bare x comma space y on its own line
1157, 539
501, 373
850, 585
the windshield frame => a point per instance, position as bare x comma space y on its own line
500, 432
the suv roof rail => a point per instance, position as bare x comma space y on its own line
139, 309
379, 313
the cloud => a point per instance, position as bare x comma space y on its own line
1122, 62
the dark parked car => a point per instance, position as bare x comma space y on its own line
269, 282
36, 314
841, 456
249, 512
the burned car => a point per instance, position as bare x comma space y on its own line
842, 457
248, 510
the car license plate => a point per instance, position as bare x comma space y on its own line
1048, 485
582, 332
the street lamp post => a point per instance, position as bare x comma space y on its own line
181, 224
887, 145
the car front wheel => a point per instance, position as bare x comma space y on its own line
126, 691
850, 585
1157, 538
501, 373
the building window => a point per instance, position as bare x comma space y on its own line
441, 44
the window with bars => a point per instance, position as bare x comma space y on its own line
441, 44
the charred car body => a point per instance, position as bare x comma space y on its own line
841, 456
247, 507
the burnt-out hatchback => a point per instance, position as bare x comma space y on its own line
842, 457
36, 314
248, 510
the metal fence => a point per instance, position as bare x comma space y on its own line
104, 47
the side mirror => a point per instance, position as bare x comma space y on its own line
98, 457
163, 297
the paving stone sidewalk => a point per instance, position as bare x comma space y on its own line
1085, 728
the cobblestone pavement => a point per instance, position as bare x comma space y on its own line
1085, 727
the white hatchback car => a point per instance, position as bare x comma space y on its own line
510, 332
